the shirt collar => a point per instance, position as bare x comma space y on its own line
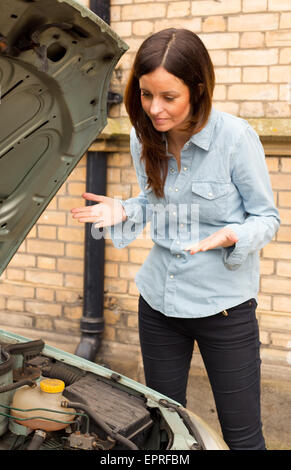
204, 137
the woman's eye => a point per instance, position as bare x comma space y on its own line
169, 98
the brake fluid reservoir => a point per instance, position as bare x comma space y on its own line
47, 396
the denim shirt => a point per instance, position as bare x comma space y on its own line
223, 182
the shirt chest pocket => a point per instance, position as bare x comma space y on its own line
212, 198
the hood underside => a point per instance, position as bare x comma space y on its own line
56, 62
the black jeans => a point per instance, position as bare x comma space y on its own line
229, 345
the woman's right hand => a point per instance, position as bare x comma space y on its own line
108, 211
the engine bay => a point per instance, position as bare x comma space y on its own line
94, 412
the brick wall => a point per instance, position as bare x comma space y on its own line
41, 290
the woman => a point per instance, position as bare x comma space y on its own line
205, 187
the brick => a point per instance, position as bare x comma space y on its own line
115, 285
78, 174
122, 28
267, 266
278, 38
114, 254
115, 14
264, 302
219, 92
213, 24
274, 356
45, 294
279, 5
44, 323
272, 163
178, 9
41, 308
111, 269
143, 11
9, 318
276, 321
67, 326
285, 55
120, 191
283, 304
70, 266
22, 260
280, 73
15, 304
68, 296
133, 290
285, 198
119, 159
73, 281
44, 277
47, 232
127, 336
45, 262
194, 24
112, 317
73, 312
76, 188
251, 109
16, 290
281, 340
220, 40
280, 181
67, 203
286, 165
128, 271
256, 57
223, 7
252, 39
265, 337
109, 333
285, 20
228, 107
258, 92
228, 74
132, 321
284, 234
254, 5
255, 74
128, 175
218, 57
15, 274
284, 268
74, 250
52, 218
277, 250
69, 234
137, 255
275, 286
45, 247
142, 28
277, 109
254, 22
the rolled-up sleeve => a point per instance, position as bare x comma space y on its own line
251, 177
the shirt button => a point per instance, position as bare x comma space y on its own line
176, 189
178, 256
182, 225
172, 170
174, 213
185, 168
172, 276
210, 194
178, 243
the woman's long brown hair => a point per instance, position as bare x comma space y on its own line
183, 54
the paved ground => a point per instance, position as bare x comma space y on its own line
276, 408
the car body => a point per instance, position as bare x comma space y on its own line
56, 61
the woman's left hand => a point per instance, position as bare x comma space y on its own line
223, 238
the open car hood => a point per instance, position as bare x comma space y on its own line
56, 61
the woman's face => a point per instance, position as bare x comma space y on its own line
165, 99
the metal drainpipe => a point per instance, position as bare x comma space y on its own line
92, 322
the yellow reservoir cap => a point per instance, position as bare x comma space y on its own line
52, 385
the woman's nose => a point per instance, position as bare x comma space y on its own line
156, 107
